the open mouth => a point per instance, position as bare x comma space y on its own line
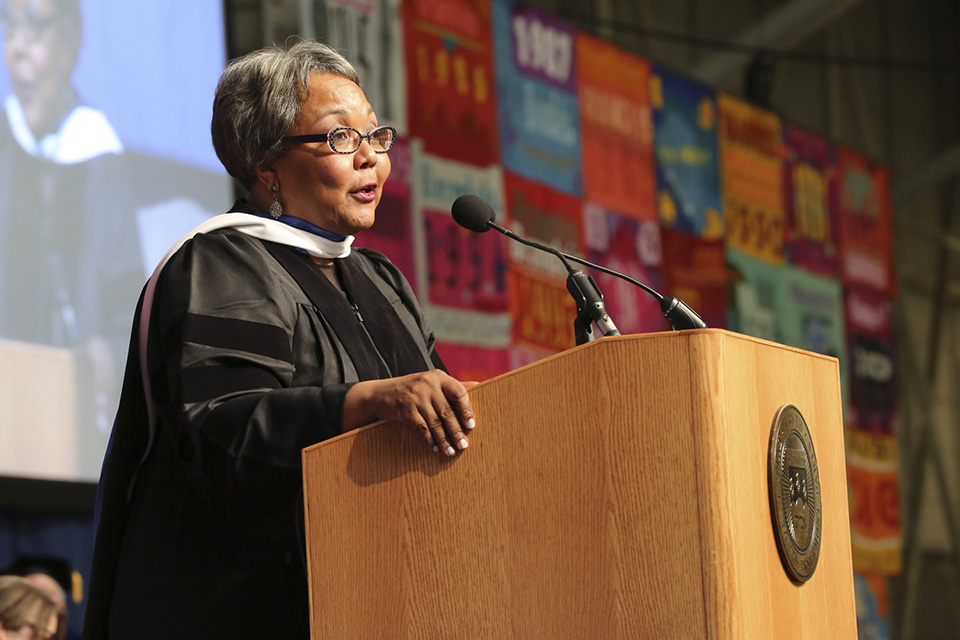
366, 193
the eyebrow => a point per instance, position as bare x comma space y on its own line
337, 112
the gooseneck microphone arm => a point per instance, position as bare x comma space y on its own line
586, 294
475, 214
678, 314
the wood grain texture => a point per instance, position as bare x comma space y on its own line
616, 490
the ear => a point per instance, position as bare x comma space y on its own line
267, 177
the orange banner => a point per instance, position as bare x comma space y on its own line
752, 152
874, 491
616, 129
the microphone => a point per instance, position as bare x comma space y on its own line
475, 214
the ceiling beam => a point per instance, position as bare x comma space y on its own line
778, 30
932, 174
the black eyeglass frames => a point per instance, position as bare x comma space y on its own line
348, 139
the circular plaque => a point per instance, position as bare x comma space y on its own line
794, 482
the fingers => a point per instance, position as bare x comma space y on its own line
432, 404
446, 413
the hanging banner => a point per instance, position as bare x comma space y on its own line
537, 97
631, 247
754, 296
810, 316
812, 226
392, 231
689, 195
863, 203
695, 271
873, 606
873, 372
752, 155
874, 489
462, 274
450, 87
370, 36
542, 310
616, 128
471, 363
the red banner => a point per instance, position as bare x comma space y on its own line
865, 223
542, 309
450, 83
695, 271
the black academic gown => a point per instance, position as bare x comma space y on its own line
247, 369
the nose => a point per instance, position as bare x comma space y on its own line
365, 156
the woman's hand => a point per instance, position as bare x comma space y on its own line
433, 404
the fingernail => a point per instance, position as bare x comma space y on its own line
450, 451
436, 448
471, 423
463, 443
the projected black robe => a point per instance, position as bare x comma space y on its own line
247, 368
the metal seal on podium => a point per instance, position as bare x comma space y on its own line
794, 482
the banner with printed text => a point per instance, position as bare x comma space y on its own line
751, 148
812, 226
631, 247
450, 83
616, 128
694, 270
873, 373
811, 317
755, 296
463, 281
689, 194
874, 488
542, 309
537, 96
863, 203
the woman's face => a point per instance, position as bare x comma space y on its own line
40, 58
338, 192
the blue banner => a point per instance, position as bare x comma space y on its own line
536, 94
689, 195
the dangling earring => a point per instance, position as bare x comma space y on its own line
276, 209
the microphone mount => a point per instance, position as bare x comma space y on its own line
582, 287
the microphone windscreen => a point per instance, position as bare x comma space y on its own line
473, 213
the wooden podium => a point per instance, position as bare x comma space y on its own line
616, 490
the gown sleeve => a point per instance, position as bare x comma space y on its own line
240, 374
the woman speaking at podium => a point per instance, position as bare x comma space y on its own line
262, 332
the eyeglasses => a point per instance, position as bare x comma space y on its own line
348, 139
30, 26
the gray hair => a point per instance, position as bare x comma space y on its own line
258, 98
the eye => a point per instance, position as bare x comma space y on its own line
341, 137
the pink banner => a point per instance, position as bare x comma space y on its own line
809, 175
